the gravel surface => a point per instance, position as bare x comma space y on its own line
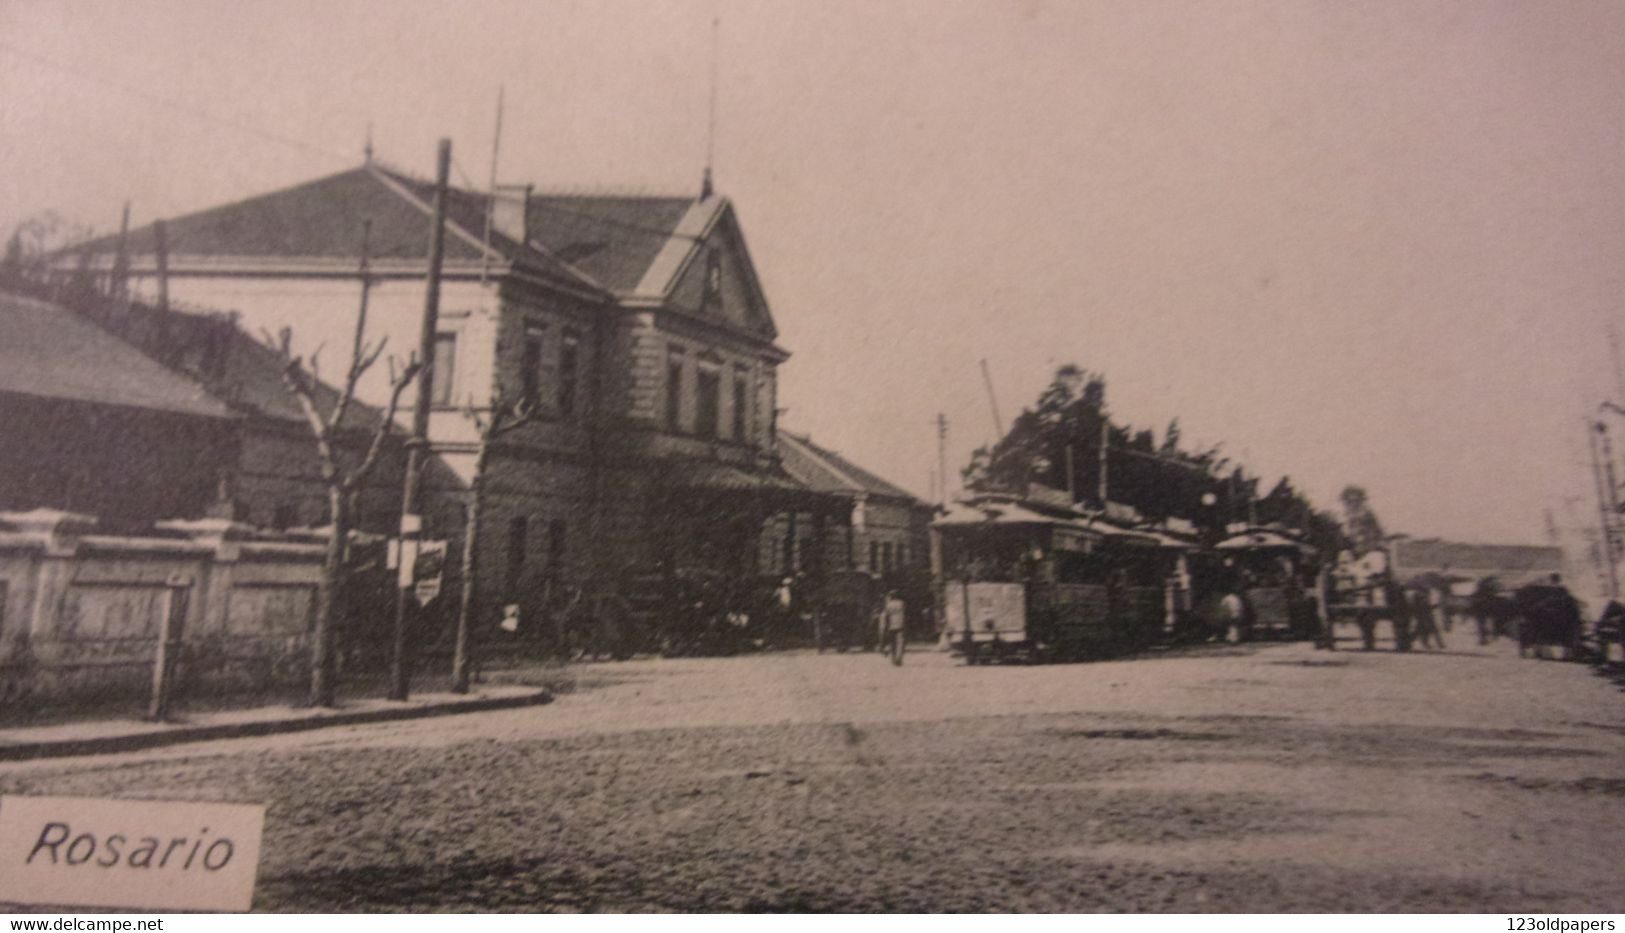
1271, 778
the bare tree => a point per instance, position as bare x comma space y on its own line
503, 416
343, 476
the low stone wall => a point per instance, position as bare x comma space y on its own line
81, 613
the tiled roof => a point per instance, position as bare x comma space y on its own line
50, 352
1432, 553
234, 367
827, 471
587, 241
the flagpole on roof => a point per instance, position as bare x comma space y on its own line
491, 192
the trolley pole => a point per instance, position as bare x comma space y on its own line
417, 447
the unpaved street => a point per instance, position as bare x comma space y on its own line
1261, 778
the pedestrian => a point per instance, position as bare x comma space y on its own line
1483, 606
1233, 616
1423, 621
892, 622
1399, 614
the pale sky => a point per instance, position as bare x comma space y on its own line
1374, 243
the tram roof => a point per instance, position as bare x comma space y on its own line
1261, 539
998, 512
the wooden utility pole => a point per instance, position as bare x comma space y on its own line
417, 448
1071, 481
118, 285
1105, 442
1607, 507
942, 459
160, 235
326, 419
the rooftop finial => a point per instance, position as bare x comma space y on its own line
711, 128
366, 150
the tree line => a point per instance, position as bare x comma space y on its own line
1067, 440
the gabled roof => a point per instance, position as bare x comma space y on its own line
322, 220
827, 471
629, 246
47, 351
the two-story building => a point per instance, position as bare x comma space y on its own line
636, 326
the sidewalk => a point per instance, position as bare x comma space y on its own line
94, 737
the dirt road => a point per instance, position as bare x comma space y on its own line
1271, 778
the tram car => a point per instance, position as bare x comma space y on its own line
1026, 580
1274, 572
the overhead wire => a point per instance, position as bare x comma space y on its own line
293, 142
175, 105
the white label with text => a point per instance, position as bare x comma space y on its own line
154, 854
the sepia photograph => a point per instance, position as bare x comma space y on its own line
1142, 457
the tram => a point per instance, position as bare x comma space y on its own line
1274, 572
1031, 580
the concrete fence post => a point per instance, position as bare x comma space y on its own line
170, 630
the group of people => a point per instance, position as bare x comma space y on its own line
1538, 614
1417, 613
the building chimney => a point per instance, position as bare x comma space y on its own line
510, 211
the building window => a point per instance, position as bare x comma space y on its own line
444, 371
885, 558
518, 533
902, 556
741, 407
674, 392
709, 403
530, 364
874, 556
569, 353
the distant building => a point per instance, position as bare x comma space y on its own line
1513, 565
888, 533
89, 424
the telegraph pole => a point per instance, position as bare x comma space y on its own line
942, 460
418, 447
1609, 517
1105, 465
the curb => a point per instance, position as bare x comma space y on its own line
63, 748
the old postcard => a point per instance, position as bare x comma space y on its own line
715, 456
